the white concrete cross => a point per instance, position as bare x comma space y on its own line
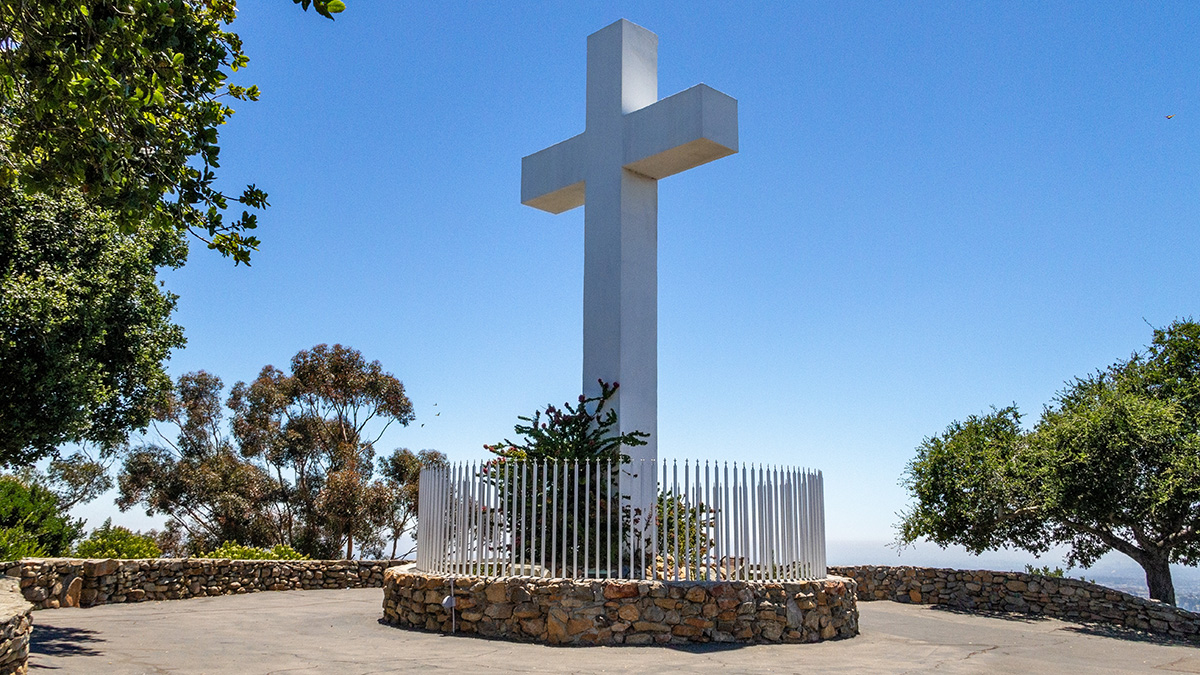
631, 140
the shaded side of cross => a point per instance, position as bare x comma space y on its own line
631, 140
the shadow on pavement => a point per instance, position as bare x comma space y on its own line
1097, 629
1129, 634
694, 648
55, 641
1017, 617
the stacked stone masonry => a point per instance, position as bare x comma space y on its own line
60, 582
16, 627
588, 611
1058, 597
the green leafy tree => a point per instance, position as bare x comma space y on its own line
108, 541
109, 119
84, 325
17, 543
1114, 464
123, 101
32, 520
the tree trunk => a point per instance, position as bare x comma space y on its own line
1158, 579
350, 550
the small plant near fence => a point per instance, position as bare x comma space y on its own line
17, 543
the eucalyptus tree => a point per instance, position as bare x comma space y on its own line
296, 467
198, 479
315, 431
401, 474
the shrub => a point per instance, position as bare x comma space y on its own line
109, 541
235, 551
572, 432
1045, 571
1056, 573
16, 543
34, 510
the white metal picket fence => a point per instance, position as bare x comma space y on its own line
583, 519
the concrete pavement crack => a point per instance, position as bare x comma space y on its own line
980, 651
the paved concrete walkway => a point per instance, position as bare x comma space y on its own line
331, 631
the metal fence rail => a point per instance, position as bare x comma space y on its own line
582, 519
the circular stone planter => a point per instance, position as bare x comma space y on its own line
594, 611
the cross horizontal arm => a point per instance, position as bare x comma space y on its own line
552, 179
680, 132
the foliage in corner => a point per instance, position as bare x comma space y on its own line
109, 541
585, 431
123, 102
326, 8
1113, 464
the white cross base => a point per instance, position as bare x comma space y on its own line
631, 140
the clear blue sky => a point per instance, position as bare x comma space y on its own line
937, 207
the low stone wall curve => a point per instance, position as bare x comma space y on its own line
1058, 597
590, 611
16, 628
70, 582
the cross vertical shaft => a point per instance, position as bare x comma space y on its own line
620, 278
631, 140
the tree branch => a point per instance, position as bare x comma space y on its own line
1109, 538
1186, 534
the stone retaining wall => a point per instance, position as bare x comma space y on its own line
589, 611
1058, 597
15, 629
66, 582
